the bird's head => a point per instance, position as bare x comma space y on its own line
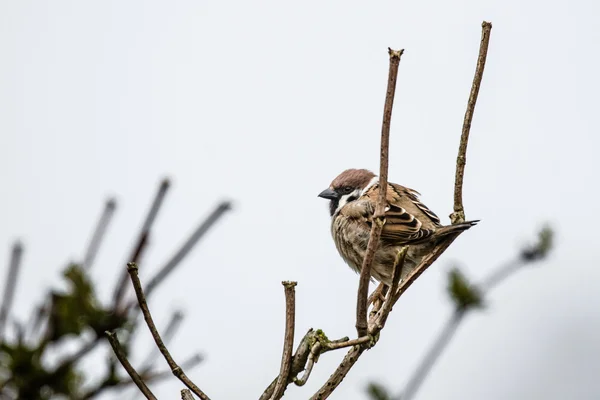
346, 187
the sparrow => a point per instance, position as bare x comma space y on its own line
353, 196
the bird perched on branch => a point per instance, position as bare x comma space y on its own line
353, 197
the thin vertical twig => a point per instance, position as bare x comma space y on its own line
378, 217
458, 215
142, 241
10, 285
132, 269
114, 342
183, 251
99, 232
288, 343
388, 303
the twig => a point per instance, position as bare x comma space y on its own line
186, 395
99, 232
146, 377
340, 373
10, 285
458, 215
312, 358
389, 300
299, 361
432, 355
141, 241
425, 263
348, 343
204, 227
114, 342
378, 216
172, 327
175, 369
288, 344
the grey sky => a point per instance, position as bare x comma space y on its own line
264, 103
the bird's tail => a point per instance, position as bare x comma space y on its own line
457, 228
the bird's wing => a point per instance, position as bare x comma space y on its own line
407, 220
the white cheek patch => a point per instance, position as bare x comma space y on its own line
345, 199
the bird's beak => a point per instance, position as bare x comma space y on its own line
328, 194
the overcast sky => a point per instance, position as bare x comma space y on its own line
264, 103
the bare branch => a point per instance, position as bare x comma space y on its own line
99, 232
389, 300
340, 373
378, 217
348, 343
186, 395
299, 361
114, 342
175, 369
142, 240
146, 377
288, 344
204, 227
425, 263
458, 215
312, 359
10, 285
172, 327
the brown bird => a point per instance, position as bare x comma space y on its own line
353, 196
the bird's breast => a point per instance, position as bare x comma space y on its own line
351, 238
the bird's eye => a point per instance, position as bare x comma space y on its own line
348, 189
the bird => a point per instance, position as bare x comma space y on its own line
353, 196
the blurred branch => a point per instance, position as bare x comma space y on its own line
458, 215
141, 242
378, 216
175, 369
10, 285
148, 377
114, 342
288, 343
470, 297
378, 392
99, 232
433, 354
204, 227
